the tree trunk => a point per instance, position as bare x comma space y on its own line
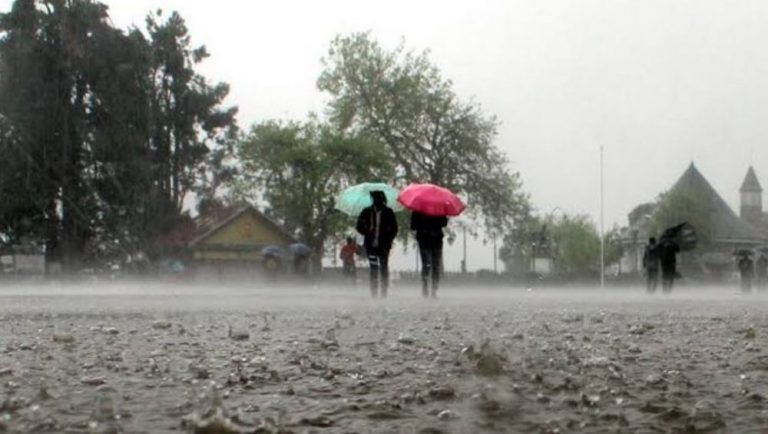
318, 249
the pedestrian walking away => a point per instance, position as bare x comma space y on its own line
651, 264
761, 272
347, 255
378, 226
429, 235
668, 260
746, 272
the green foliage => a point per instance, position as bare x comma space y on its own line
573, 242
104, 132
185, 108
298, 169
677, 206
400, 98
641, 212
576, 244
614, 248
518, 244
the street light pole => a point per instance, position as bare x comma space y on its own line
464, 263
495, 269
602, 224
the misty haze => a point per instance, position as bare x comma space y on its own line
355, 216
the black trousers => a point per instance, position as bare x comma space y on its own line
431, 258
350, 271
668, 279
746, 282
378, 260
653, 279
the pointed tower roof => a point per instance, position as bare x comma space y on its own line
726, 225
751, 184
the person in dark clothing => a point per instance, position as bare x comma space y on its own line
347, 256
651, 264
746, 272
429, 235
761, 271
301, 264
377, 224
668, 260
271, 265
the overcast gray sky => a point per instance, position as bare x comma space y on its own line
658, 83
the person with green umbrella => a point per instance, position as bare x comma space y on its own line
378, 225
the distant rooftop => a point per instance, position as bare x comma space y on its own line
726, 225
751, 184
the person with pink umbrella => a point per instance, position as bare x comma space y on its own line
429, 235
431, 205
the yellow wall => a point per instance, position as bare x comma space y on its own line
245, 230
227, 256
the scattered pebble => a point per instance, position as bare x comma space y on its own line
442, 392
238, 335
93, 381
447, 415
161, 325
63, 338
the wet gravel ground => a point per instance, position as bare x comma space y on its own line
160, 358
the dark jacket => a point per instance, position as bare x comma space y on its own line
651, 257
387, 231
746, 267
429, 230
761, 266
668, 256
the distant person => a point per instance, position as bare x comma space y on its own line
746, 272
429, 235
668, 250
271, 264
347, 255
761, 272
378, 225
301, 264
651, 264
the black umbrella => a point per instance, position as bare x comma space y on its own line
743, 252
299, 249
684, 235
273, 251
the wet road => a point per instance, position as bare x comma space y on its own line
231, 358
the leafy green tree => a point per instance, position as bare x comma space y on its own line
103, 132
186, 117
400, 98
614, 246
572, 242
517, 248
45, 96
576, 244
678, 206
297, 170
641, 213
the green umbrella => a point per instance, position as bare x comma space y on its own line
354, 199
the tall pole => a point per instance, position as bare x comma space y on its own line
602, 226
495, 269
417, 259
464, 270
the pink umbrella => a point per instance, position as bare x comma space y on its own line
430, 200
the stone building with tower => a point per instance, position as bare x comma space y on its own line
727, 230
751, 202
